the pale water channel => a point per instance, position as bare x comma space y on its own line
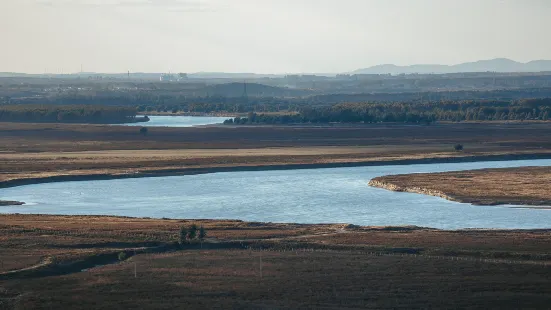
335, 195
179, 121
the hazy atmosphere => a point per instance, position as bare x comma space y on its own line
275, 154
266, 36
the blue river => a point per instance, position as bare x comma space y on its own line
330, 195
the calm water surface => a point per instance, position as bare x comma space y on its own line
179, 121
337, 195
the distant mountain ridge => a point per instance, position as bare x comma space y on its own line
502, 65
492, 65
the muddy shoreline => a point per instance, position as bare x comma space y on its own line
417, 190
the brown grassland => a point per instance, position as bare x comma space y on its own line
45, 150
301, 266
517, 186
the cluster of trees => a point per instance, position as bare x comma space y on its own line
482, 110
255, 118
213, 104
219, 104
188, 235
67, 114
172, 100
149, 102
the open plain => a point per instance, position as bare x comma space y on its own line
73, 262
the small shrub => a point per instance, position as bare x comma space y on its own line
458, 147
202, 233
122, 256
192, 233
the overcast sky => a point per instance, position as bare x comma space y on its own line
265, 36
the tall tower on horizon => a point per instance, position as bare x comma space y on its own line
244, 95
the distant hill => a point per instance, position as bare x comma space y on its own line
493, 65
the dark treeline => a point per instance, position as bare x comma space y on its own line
170, 102
67, 114
526, 109
146, 102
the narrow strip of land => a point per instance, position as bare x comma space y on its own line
507, 186
10, 203
24, 169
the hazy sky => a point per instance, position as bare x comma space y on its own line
265, 36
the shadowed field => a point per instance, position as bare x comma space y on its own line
320, 266
21, 137
520, 186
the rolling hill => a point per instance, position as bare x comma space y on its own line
493, 65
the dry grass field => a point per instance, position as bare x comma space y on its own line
25, 137
301, 266
45, 150
519, 186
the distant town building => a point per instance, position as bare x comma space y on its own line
169, 77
